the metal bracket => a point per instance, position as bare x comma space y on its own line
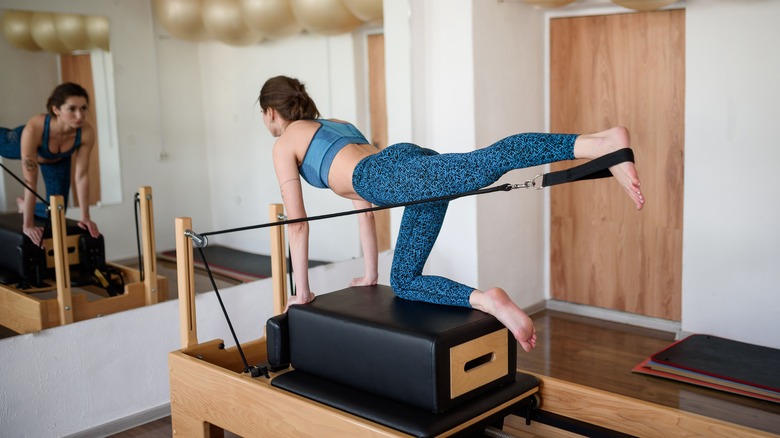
197, 240
530, 184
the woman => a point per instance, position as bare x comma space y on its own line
50, 142
333, 154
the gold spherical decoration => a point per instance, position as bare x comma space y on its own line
72, 31
224, 22
369, 11
182, 18
99, 31
272, 18
326, 17
45, 33
17, 30
548, 3
643, 5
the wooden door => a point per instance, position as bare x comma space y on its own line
625, 69
77, 68
378, 109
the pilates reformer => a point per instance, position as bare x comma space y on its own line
464, 388
213, 388
48, 268
475, 384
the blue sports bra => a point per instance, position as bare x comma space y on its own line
329, 139
43, 149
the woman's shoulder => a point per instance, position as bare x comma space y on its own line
87, 132
301, 128
37, 121
34, 125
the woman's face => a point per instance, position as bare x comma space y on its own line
73, 112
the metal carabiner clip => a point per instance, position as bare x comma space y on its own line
530, 184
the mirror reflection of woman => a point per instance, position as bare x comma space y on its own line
50, 142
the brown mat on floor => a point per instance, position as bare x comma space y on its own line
719, 363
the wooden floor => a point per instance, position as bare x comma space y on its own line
600, 355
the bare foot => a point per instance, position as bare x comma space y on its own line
496, 302
628, 178
592, 146
20, 204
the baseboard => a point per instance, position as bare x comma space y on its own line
535, 307
126, 423
648, 322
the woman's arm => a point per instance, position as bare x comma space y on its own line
31, 137
82, 179
367, 227
286, 168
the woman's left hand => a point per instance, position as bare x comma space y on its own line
363, 281
87, 224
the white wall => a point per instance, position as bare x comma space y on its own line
508, 99
241, 175
731, 239
443, 118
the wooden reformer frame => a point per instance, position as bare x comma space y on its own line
22, 312
210, 392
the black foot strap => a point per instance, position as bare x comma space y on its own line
598, 168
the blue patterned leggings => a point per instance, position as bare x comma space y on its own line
405, 172
56, 176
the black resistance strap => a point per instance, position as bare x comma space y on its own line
598, 168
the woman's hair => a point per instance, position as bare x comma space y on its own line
288, 96
62, 93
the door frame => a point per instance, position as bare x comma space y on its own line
585, 10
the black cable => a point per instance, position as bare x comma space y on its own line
500, 188
138, 236
224, 311
25, 185
290, 271
597, 168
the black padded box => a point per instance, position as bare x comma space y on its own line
21, 260
425, 355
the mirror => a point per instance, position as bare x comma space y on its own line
188, 125
61, 48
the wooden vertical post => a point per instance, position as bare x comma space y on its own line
185, 270
278, 260
61, 265
148, 248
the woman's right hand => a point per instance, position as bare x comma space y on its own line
34, 233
